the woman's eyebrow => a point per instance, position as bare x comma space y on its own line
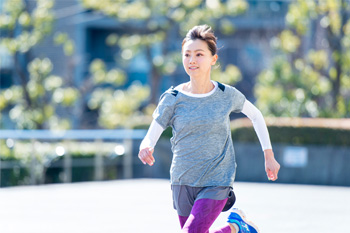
195, 50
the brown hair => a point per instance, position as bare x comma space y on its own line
204, 33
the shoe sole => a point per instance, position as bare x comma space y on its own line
243, 216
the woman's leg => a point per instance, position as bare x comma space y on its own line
203, 215
183, 220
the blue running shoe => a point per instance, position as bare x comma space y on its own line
237, 216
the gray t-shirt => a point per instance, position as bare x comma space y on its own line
203, 153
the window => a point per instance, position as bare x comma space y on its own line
6, 67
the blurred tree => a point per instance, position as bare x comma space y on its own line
43, 100
310, 73
152, 22
21, 30
117, 108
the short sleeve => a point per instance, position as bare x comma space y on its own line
165, 110
238, 100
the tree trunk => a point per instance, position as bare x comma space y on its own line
336, 46
154, 78
23, 79
155, 83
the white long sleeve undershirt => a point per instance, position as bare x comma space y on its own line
254, 114
152, 136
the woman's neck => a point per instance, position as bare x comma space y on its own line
199, 86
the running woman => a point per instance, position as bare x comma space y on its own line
203, 165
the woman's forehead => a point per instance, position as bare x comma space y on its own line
194, 45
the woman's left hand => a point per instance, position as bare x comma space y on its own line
271, 165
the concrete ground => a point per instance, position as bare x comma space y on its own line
145, 206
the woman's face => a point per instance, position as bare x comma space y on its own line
197, 58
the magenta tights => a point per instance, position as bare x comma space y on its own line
203, 214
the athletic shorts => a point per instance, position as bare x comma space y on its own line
184, 196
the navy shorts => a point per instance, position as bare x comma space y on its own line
184, 196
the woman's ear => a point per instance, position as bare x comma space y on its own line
215, 58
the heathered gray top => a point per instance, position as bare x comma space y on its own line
203, 153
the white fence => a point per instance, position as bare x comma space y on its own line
125, 139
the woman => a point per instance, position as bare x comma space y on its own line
203, 166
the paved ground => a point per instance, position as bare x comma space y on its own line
145, 206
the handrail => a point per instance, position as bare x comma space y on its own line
126, 135
116, 134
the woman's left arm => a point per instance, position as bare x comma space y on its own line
271, 165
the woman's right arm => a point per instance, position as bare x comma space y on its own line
149, 142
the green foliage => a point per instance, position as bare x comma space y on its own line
34, 25
158, 19
101, 75
68, 44
46, 92
230, 75
175, 10
36, 102
119, 108
44, 100
310, 73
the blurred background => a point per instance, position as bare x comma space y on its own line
79, 80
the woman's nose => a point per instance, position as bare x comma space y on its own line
192, 60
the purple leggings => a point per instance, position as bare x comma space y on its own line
203, 214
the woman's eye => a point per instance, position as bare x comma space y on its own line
187, 55
199, 54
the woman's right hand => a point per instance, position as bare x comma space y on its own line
146, 156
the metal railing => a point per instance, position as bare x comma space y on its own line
126, 137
